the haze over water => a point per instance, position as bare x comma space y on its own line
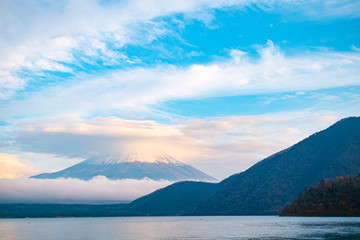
219, 227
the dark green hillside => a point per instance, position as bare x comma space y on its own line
277, 180
177, 199
330, 197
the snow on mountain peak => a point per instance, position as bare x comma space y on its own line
132, 157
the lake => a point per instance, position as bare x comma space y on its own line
214, 227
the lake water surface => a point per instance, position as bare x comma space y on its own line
224, 227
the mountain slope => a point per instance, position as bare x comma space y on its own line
177, 199
133, 166
277, 180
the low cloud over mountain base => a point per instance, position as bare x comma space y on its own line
97, 190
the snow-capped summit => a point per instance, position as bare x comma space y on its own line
131, 166
132, 157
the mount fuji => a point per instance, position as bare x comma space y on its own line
131, 166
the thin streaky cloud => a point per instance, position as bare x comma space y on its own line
141, 90
84, 29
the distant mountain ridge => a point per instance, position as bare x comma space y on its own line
131, 166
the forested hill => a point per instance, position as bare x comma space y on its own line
330, 197
277, 180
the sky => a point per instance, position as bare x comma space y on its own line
218, 84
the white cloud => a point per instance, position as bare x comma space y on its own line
137, 91
9, 84
98, 189
45, 36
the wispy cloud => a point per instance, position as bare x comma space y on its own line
40, 36
138, 91
317, 9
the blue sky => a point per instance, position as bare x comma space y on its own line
218, 84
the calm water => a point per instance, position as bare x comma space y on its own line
234, 227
